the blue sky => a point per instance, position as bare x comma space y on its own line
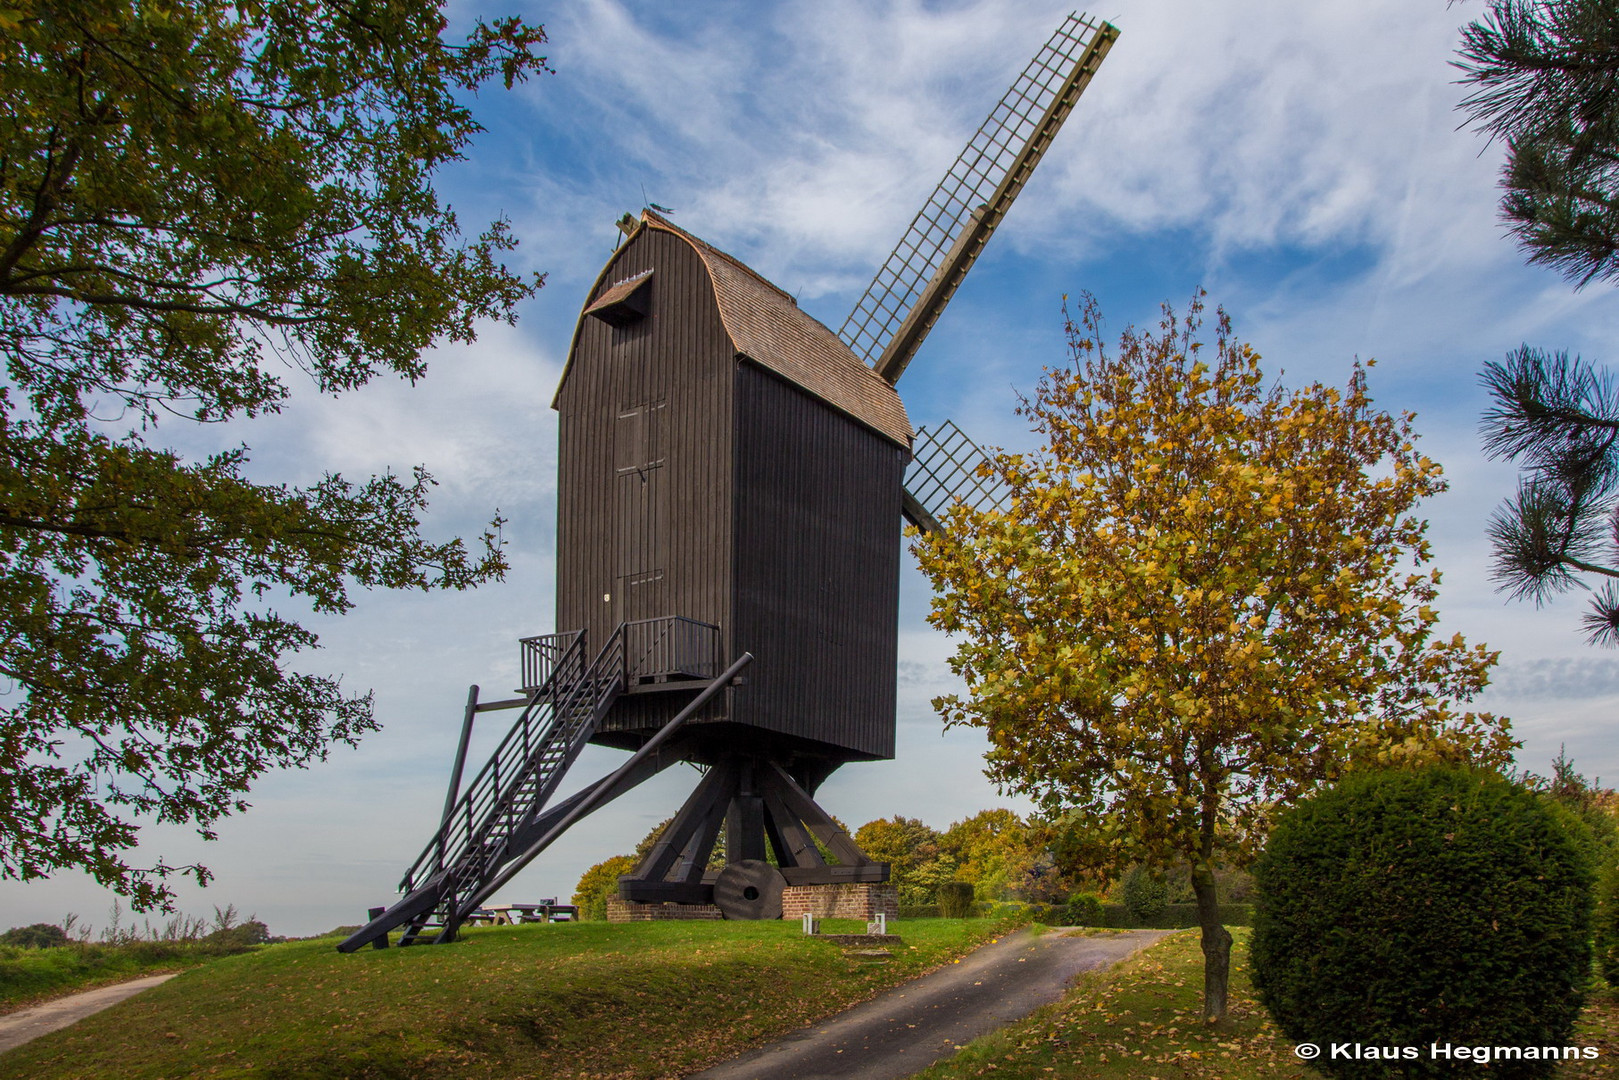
1302, 163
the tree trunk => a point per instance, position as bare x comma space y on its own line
1216, 945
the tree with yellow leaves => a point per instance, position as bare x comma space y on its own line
1201, 600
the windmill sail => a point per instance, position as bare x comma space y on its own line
911, 290
946, 468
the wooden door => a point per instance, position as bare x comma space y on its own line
641, 512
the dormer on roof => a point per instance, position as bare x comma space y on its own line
626, 302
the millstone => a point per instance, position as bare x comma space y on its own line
750, 889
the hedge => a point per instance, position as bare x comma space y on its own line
1410, 908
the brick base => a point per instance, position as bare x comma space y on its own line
855, 900
620, 910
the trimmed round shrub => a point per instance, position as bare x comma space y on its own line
1085, 909
1144, 893
956, 899
1420, 907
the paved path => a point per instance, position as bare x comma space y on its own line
28, 1024
912, 1026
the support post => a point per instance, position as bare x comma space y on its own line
376, 913
745, 820
461, 753
456, 770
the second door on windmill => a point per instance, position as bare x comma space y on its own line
640, 511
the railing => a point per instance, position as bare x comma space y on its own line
546, 729
540, 656
672, 647
565, 695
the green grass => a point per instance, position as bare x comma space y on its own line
1143, 1021
1599, 1027
581, 1001
28, 976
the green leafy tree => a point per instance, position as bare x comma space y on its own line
1593, 804
37, 936
1144, 892
1545, 78
921, 883
598, 884
996, 850
197, 197
911, 849
1202, 599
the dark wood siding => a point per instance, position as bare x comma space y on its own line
816, 568
644, 480
695, 483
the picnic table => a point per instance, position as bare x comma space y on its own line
512, 914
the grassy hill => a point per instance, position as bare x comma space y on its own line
583, 1001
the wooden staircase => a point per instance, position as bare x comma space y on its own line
497, 815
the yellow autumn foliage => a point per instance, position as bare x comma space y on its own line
1204, 598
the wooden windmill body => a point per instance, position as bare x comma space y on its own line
730, 474
725, 458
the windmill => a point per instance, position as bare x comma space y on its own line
729, 474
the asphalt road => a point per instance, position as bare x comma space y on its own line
912, 1026
25, 1025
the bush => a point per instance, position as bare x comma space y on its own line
1414, 907
1174, 917
919, 911
38, 936
1607, 926
1085, 909
956, 899
1144, 893
241, 937
600, 882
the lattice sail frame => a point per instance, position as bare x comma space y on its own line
944, 470
913, 286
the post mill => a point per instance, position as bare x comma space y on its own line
731, 473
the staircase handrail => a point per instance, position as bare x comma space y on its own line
478, 797
494, 793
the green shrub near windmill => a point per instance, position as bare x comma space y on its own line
1414, 908
1607, 926
1144, 893
956, 899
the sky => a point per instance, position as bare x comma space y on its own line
1303, 163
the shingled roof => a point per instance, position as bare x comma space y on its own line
767, 326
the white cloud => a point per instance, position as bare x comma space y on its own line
1300, 160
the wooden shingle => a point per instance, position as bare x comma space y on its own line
768, 327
